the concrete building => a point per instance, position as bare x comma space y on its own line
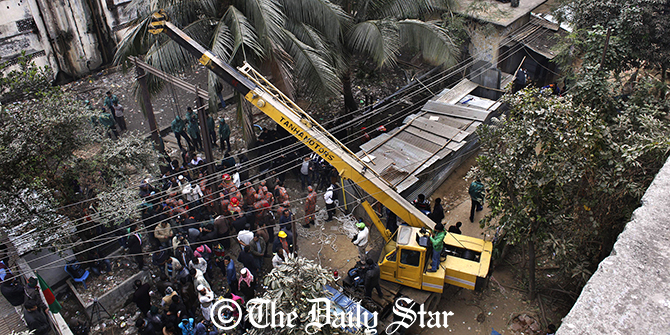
503, 35
73, 37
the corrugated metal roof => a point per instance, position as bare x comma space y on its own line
443, 128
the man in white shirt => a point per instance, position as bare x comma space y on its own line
361, 240
330, 203
192, 193
277, 259
305, 170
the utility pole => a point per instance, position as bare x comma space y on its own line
146, 103
204, 132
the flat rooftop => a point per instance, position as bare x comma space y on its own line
495, 12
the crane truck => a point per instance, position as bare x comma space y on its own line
404, 260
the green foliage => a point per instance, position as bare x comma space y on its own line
51, 155
640, 32
566, 175
27, 82
290, 285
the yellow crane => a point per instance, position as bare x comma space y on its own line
403, 260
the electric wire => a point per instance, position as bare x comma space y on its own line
116, 237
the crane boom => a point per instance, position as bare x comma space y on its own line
271, 101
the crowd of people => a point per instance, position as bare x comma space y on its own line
192, 225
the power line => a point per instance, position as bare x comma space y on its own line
249, 168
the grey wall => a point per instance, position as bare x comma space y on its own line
74, 37
630, 291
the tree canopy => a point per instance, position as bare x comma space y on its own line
56, 160
290, 285
639, 29
564, 177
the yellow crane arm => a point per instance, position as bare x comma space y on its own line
266, 97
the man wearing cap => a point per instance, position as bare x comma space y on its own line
361, 240
283, 243
437, 240
234, 208
33, 294
330, 203
310, 207
205, 296
245, 284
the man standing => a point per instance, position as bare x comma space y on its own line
33, 294
231, 276
310, 207
36, 320
118, 116
135, 247
438, 212
109, 101
330, 203
108, 123
178, 126
372, 279
211, 129
520, 80
257, 248
361, 240
305, 171
476, 192
205, 296
283, 243
141, 297
437, 240
13, 291
193, 129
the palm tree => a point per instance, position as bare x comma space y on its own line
261, 32
382, 28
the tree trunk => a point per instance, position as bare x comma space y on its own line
245, 117
663, 69
531, 269
350, 104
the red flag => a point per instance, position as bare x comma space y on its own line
54, 305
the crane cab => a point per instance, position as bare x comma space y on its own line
407, 257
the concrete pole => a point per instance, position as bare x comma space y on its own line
204, 132
148, 108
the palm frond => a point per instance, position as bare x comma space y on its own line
328, 18
168, 56
377, 39
403, 9
136, 42
266, 17
222, 41
431, 40
312, 66
242, 33
312, 37
281, 67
